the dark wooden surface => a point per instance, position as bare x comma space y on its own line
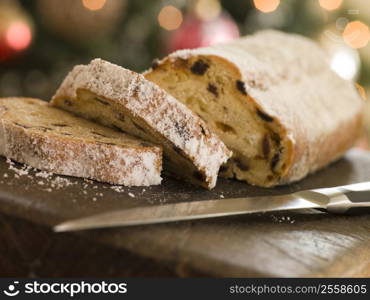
30, 250
308, 243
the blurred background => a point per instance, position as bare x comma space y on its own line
41, 40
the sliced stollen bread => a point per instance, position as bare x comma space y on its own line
124, 100
272, 98
53, 140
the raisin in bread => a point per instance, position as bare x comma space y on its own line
272, 98
50, 139
122, 99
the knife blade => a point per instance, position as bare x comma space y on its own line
337, 200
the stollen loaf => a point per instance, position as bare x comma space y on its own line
272, 98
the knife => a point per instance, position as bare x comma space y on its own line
343, 199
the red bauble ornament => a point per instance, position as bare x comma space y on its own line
195, 32
15, 30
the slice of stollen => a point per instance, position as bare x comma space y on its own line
124, 100
53, 140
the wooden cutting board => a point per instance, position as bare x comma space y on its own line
309, 243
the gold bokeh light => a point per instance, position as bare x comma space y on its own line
170, 18
330, 4
356, 34
266, 6
207, 9
94, 4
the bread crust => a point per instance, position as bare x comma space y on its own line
124, 163
288, 77
163, 118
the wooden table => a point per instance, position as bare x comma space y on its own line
309, 243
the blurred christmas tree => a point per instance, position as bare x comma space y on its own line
40, 40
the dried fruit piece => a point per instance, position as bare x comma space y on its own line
120, 116
59, 125
241, 165
68, 102
21, 125
275, 160
225, 128
266, 146
101, 101
212, 89
240, 85
199, 67
264, 116
99, 134
276, 138
43, 128
118, 128
138, 126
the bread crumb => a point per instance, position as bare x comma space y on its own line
117, 188
283, 219
23, 170
44, 174
59, 182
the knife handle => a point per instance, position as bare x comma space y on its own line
350, 199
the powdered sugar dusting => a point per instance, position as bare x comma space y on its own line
49, 182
